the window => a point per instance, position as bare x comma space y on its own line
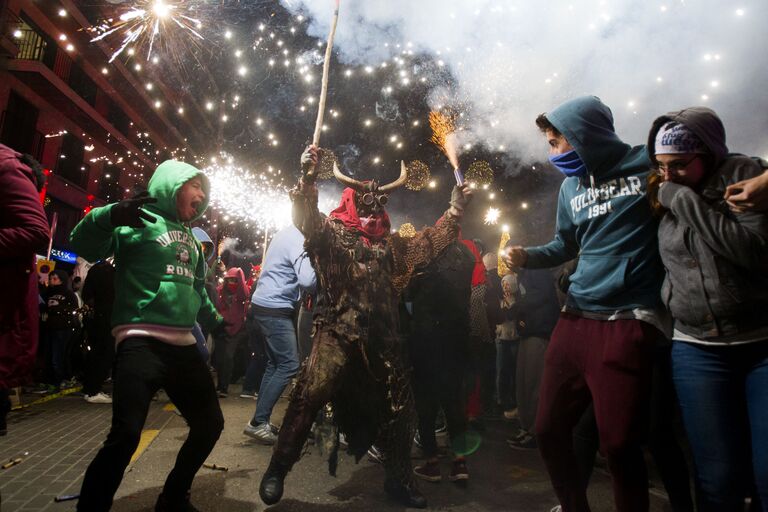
70, 163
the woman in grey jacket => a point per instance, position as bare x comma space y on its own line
716, 288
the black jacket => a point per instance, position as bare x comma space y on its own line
538, 308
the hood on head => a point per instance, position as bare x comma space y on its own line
204, 240
587, 124
165, 183
346, 212
239, 276
702, 121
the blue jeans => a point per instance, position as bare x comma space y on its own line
59, 342
723, 394
282, 363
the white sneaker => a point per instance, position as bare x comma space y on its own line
558, 508
98, 398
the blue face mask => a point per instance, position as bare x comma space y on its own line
569, 163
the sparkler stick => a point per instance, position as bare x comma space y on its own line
326, 67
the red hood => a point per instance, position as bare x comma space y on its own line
478, 274
374, 229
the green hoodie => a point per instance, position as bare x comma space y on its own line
160, 271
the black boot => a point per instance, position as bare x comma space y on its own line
409, 495
271, 488
165, 504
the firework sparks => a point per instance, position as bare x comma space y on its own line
492, 216
418, 175
250, 197
480, 173
146, 22
443, 134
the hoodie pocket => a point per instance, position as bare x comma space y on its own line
174, 304
599, 277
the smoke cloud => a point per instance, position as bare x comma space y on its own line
513, 60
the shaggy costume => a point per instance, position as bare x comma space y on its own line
357, 361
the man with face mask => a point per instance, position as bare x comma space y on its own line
602, 347
356, 362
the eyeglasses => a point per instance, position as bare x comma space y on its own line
369, 198
674, 167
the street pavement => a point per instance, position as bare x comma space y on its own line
57, 439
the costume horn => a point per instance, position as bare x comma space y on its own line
399, 182
346, 180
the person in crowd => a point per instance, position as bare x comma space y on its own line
482, 381
202, 340
257, 351
716, 288
537, 311
601, 350
357, 362
99, 297
286, 272
253, 278
159, 294
507, 346
233, 306
61, 308
439, 296
23, 231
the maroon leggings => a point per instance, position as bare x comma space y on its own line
607, 363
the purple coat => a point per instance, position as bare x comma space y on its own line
23, 231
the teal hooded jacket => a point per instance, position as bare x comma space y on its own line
159, 269
604, 218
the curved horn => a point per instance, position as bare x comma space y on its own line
399, 182
346, 180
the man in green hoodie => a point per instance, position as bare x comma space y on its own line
602, 348
159, 294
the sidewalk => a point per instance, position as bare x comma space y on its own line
57, 439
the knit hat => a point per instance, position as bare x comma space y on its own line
675, 138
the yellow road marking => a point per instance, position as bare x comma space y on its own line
147, 436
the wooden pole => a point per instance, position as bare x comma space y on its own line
326, 67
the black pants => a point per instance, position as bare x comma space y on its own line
439, 380
98, 360
224, 357
142, 367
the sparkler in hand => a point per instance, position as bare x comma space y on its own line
444, 137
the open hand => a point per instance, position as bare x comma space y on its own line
128, 212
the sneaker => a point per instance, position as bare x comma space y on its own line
517, 435
524, 442
222, 394
249, 394
459, 471
429, 471
557, 508
263, 433
98, 398
417, 440
511, 414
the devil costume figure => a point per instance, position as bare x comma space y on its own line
357, 362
